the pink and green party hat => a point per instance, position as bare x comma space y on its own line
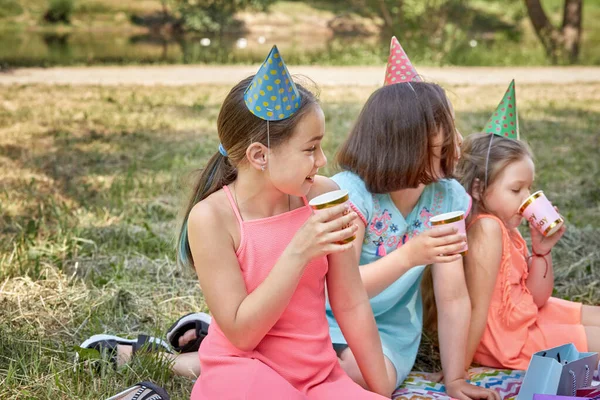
272, 95
399, 68
505, 120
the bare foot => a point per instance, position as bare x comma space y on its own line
188, 337
436, 376
124, 352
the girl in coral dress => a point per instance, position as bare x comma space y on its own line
510, 287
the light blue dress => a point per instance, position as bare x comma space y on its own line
398, 309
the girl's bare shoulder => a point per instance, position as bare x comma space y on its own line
486, 228
212, 212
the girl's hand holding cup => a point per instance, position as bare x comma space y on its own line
545, 223
332, 199
440, 244
454, 219
330, 230
541, 244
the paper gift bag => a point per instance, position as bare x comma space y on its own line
586, 393
590, 392
559, 371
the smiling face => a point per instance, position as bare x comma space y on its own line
293, 165
509, 190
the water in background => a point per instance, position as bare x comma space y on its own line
19, 49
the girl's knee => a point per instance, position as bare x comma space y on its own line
392, 376
350, 366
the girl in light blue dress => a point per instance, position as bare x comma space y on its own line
396, 165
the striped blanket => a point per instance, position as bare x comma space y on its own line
419, 386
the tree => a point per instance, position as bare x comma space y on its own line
561, 44
213, 15
401, 17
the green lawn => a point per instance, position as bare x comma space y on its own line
92, 180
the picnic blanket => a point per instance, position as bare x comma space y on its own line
418, 385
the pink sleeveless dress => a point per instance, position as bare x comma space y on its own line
295, 359
516, 328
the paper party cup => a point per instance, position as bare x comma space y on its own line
540, 213
331, 199
454, 218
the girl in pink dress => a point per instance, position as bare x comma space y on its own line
263, 258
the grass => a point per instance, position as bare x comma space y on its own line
92, 180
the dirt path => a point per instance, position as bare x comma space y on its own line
325, 76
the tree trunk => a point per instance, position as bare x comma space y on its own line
388, 17
559, 43
546, 32
571, 28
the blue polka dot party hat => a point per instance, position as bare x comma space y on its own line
272, 94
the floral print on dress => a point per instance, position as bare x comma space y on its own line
384, 234
425, 215
392, 242
380, 223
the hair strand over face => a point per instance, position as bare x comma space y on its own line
390, 145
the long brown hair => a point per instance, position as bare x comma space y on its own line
390, 145
237, 128
474, 162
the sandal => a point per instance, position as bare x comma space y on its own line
143, 391
198, 321
106, 345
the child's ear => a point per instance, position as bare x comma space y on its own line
476, 189
257, 155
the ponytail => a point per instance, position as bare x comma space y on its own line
218, 173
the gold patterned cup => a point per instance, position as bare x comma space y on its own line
454, 218
331, 199
540, 213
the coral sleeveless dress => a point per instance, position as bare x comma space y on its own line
295, 359
516, 328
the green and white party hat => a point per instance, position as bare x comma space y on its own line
505, 120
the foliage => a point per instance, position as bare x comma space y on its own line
9, 8
213, 15
434, 32
441, 29
59, 11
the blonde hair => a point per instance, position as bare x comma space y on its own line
484, 162
479, 161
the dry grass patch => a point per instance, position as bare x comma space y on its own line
92, 180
